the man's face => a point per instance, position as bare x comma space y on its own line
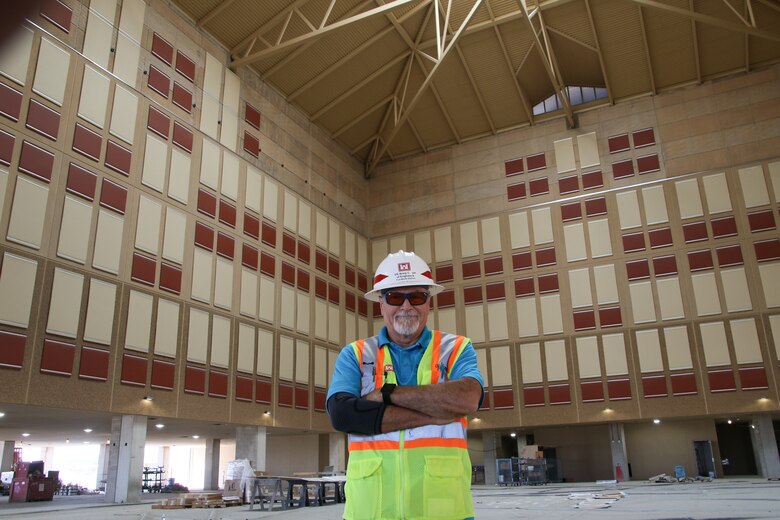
405, 322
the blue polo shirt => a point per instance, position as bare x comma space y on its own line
346, 375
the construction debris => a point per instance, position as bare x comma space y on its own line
197, 500
596, 500
663, 478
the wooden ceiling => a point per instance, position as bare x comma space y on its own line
392, 78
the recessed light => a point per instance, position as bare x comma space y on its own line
25, 434
656, 421
2, 414
267, 412
159, 426
196, 436
729, 421
87, 430
148, 398
513, 435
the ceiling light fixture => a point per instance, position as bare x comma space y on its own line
148, 398
25, 434
656, 421
513, 435
196, 436
729, 421
159, 426
2, 414
267, 412
87, 430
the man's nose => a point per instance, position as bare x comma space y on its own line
407, 304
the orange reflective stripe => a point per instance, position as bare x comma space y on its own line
374, 445
454, 354
359, 354
379, 379
435, 374
435, 443
464, 422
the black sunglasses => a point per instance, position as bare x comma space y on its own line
396, 299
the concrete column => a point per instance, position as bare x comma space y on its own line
48, 459
617, 445
250, 444
762, 433
491, 442
102, 473
211, 470
337, 456
126, 459
7, 461
522, 442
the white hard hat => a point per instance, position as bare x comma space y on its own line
402, 269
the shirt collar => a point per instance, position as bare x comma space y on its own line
422, 341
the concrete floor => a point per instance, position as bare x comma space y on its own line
721, 499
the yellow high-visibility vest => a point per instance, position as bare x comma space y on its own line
417, 473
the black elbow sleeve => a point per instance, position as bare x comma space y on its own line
350, 414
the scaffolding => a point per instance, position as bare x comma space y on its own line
152, 479
515, 471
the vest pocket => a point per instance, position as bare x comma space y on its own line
364, 489
443, 493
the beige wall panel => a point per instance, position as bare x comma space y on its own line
714, 344
126, 59
527, 320
774, 175
108, 242
447, 320
648, 346
301, 362
15, 55
555, 360
670, 298
99, 325
74, 229
349, 245
286, 357
321, 231
223, 284
588, 150
265, 352
442, 240
254, 189
230, 175
588, 357
334, 237
716, 189
202, 275
332, 355
304, 225
655, 205
179, 177
579, 283
51, 72
469, 240
302, 308
379, 250
531, 363
28, 212
398, 243
542, 226
422, 245
212, 77
497, 325
65, 303
552, 322
518, 229
705, 293
735, 289
131, 20
173, 239
770, 274
220, 341
210, 164
248, 299
245, 359
166, 337
746, 343
363, 327
139, 321
334, 324
628, 210
491, 235
753, 184
320, 319
350, 326
147, 231
155, 163
93, 102
209, 116
123, 114
362, 247
564, 155
198, 336
320, 367
3, 187
600, 242
774, 324
606, 284
688, 198
270, 199
615, 363
574, 237
501, 366
99, 34
642, 303
678, 348
475, 323
287, 307
230, 98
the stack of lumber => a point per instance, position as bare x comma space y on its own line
197, 500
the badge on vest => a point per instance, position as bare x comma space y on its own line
389, 368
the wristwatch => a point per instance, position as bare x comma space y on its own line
387, 389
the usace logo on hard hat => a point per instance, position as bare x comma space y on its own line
404, 266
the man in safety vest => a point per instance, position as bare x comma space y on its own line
402, 397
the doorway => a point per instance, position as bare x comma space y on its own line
736, 449
705, 462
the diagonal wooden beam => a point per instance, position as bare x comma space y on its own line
251, 38
604, 72
315, 34
206, 18
646, 45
